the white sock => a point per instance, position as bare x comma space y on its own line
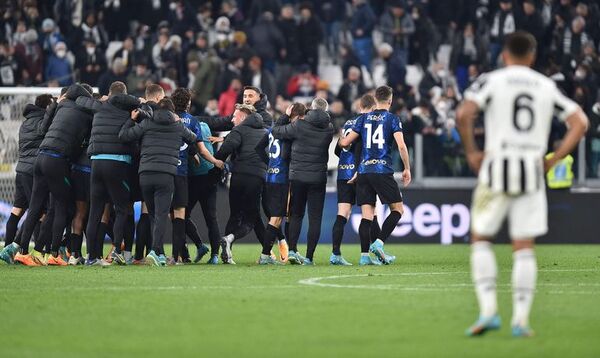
484, 272
379, 241
263, 256
524, 275
282, 241
364, 254
127, 255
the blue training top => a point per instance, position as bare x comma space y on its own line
376, 130
205, 166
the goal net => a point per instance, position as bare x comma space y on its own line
12, 103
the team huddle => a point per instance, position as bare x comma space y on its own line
84, 161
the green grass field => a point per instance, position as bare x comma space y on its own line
418, 307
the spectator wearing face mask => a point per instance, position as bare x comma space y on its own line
90, 62
50, 36
59, 68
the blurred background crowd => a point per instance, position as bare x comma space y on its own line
429, 51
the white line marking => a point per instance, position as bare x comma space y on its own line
425, 287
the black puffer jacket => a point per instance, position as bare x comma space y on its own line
29, 138
109, 118
241, 143
160, 141
310, 138
261, 108
70, 125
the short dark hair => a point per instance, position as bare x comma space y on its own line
383, 93
43, 100
167, 104
520, 44
367, 101
298, 110
181, 98
87, 87
117, 87
63, 90
255, 89
153, 90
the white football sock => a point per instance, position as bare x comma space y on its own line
364, 254
484, 272
524, 275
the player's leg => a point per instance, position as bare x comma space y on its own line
236, 212
39, 196
208, 203
388, 192
346, 197
298, 198
116, 177
528, 219
20, 204
57, 173
366, 197
148, 187
487, 214
163, 195
103, 230
142, 233
275, 201
315, 205
77, 226
98, 198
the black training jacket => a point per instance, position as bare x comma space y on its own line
69, 126
29, 138
241, 143
109, 117
310, 138
160, 136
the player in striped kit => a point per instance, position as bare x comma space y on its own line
518, 104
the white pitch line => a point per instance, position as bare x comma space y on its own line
317, 282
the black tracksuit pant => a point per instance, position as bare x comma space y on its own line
157, 190
302, 196
203, 189
244, 205
51, 176
109, 183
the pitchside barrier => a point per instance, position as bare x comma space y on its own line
431, 216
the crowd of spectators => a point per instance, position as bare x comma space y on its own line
217, 47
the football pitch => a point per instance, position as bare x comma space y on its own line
418, 307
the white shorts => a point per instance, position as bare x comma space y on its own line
527, 213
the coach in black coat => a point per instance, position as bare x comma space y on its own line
111, 174
29, 138
65, 131
160, 133
109, 117
241, 144
247, 179
310, 138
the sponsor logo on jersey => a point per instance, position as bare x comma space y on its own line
273, 171
346, 167
375, 162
